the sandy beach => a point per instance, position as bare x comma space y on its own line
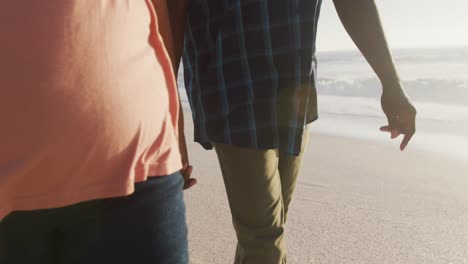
357, 201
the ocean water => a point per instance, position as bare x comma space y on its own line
435, 79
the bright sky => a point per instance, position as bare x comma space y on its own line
408, 23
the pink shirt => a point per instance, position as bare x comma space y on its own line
88, 101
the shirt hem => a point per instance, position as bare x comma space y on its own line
88, 193
208, 145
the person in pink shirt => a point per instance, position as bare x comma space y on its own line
91, 157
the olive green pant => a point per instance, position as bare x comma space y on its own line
259, 186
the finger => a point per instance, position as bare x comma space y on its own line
406, 140
385, 129
409, 131
187, 172
394, 133
190, 183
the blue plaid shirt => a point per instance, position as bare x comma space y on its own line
250, 71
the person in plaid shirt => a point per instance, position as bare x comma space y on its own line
250, 74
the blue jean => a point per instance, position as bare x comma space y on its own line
146, 227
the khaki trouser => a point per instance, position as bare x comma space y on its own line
259, 186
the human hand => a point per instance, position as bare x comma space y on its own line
187, 174
401, 115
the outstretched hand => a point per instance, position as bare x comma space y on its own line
401, 115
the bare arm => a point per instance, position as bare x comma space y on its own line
173, 12
362, 22
177, 10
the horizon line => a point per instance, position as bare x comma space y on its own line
428, 47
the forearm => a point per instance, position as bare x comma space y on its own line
164, 25
362, 22
174, 12
173, 40
177, 10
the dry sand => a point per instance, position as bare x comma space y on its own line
357, 201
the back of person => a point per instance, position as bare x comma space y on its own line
250, 73
88, 107
82, 95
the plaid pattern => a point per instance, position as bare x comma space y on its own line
250, 71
